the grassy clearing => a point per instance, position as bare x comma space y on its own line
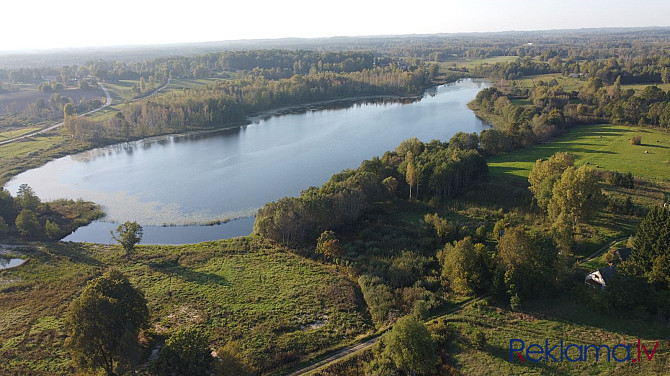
639, 87
122, 90
607, 146
554, 320
469, 64
568, 83
282, 308
182, 83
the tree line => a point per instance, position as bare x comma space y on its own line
227, 103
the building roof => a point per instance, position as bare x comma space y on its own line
607, 273
624, 253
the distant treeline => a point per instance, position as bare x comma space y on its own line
436, 169
229, 102
645, 68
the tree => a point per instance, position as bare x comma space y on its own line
464, 141
391, 185
576, 195
328, 245
186, 352
27, 224
4, 228
410, 346
51, 229
231, 361
545, 173
68, 110
26, 197
103, 323
128, 234
463, 265
651, 246
411, 175
445, 230
7, 207
527, 261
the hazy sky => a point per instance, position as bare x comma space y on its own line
40, 24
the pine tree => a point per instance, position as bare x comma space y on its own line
651, 247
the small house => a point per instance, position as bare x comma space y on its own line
601, 277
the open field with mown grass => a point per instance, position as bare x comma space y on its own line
603, 146
554, 319
279, 307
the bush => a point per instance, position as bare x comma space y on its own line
636, 140
186, 352
478, 339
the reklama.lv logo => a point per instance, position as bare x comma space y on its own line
576, 353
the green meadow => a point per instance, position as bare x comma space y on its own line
278, 308
604, 146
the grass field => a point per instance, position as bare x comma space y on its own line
554, 320
280, 307
5, 135
639, 87
602, 146
182, 83
568, 83
472, 63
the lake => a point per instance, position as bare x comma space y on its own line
174, 184
7, 262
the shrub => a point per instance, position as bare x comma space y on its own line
478, 339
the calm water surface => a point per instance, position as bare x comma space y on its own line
6, 262
197, 179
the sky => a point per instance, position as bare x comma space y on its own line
48, 24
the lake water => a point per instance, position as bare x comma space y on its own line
167, 184
6, 262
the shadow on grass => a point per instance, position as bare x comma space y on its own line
578, 314
655, 146
74, 252
503, 354
201, 278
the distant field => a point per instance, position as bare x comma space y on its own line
472, 63
280, 306
607, 146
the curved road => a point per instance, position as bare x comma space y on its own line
107, 103
365, 344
